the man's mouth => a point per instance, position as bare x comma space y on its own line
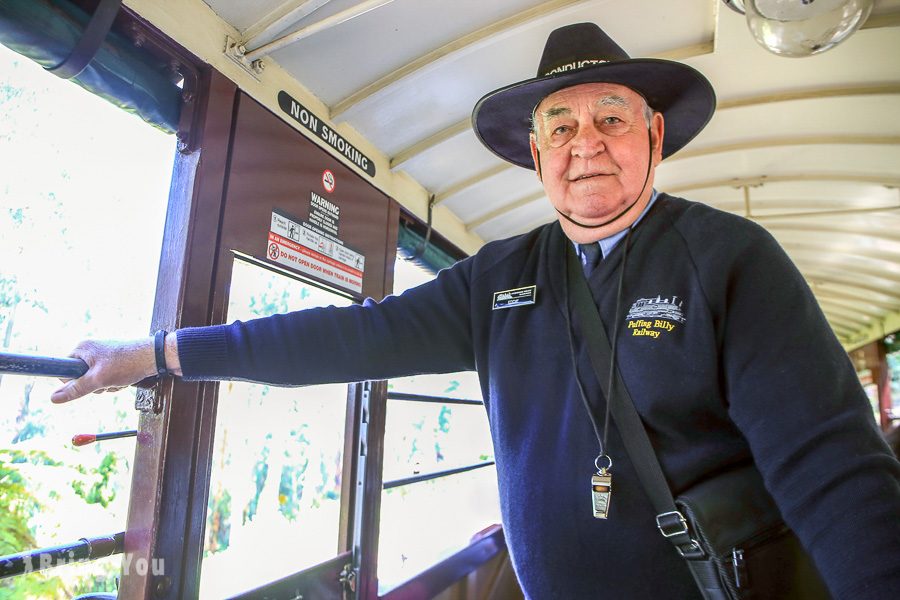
588, 176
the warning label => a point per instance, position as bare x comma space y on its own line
298, 246
324, 214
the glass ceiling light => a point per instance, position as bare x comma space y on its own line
802, 27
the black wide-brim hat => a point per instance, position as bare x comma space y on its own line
583, 53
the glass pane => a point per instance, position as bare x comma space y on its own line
424, 438
424, 522
893, 362
462, 385
83, 195
274, 499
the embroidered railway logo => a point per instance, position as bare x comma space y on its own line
652, 317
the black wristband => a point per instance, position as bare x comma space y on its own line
159, 346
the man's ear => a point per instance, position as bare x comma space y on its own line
657, 134
535, 155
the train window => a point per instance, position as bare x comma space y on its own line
892, 357
277, 457
83, 195
435, 424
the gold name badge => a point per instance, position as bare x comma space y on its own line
601, 489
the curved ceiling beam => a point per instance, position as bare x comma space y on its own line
844, 325
889, 291
831, 247
431, 141
812, 94
506, 208
809, 140
854, 308
482, 37
465, 125
853, 324
838, 307
468, 42
832, 92
849, 315
675, 54
851, 327
843, 296
738, 182
871, 273
841, 229
471, 182
825, 213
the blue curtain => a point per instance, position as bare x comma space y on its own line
431, 257
46, 31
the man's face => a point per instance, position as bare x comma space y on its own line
591, 151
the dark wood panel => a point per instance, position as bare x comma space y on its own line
274, 167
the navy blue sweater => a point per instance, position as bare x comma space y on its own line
723, 349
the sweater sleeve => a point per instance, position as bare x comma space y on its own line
795, 396
424, 330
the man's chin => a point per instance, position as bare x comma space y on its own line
586, 229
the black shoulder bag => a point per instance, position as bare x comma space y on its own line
727, 528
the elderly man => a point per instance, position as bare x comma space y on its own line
718, 340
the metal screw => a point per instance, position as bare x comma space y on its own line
162, 586
240, 50
258, 66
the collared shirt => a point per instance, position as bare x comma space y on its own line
608, 243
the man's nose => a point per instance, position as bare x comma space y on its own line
588, 142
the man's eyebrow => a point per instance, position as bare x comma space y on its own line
555, 112
613, 101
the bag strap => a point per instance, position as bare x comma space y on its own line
669, 520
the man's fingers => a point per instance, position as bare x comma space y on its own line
63, 394
75, 388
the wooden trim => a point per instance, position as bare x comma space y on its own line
155, 527
369, 506
188, 434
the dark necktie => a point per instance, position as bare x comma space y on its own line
590, 257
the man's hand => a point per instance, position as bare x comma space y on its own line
112, 365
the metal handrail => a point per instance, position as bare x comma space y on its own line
424, 398
435, 475
41, 366
85, 549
